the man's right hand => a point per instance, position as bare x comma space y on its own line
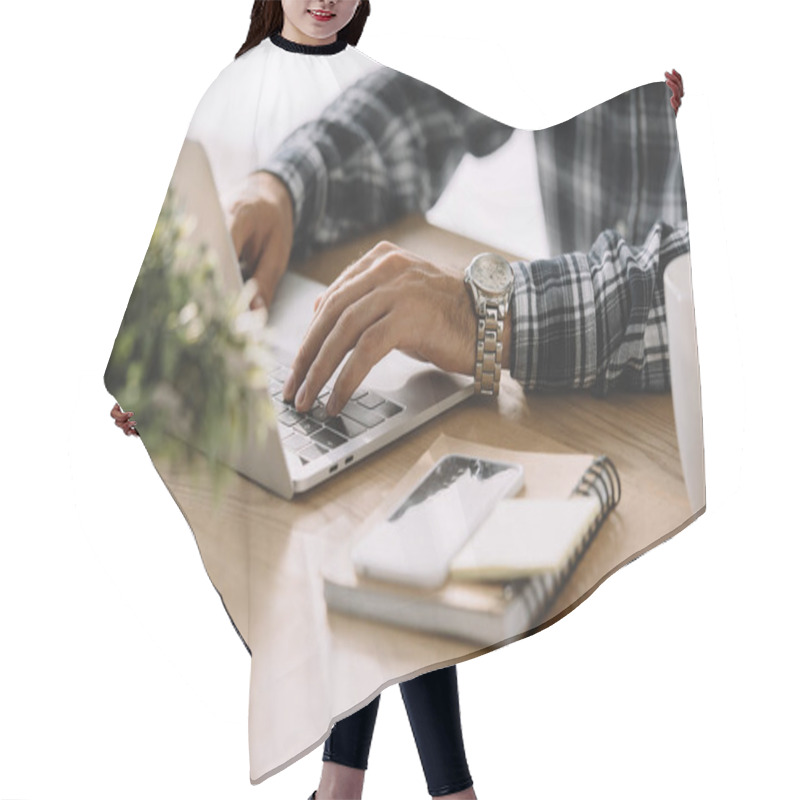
260, 219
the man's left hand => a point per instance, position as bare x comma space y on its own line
388, 299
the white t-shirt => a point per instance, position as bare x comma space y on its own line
262, 97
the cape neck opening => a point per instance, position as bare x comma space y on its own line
308, 49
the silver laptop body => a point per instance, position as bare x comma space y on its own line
301, 451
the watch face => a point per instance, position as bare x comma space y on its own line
491, 273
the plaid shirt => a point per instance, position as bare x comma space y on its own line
613, 197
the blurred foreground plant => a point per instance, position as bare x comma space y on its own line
189, 360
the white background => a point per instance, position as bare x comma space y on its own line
120, 675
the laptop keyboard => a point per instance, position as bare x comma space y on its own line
314, 433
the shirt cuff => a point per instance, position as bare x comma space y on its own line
522, 359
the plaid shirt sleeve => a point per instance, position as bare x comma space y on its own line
386, 147
614, 200
616, 165
595, 320
592, 320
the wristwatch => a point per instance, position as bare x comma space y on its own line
491, 280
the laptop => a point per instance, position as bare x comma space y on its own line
302, 450
685, 376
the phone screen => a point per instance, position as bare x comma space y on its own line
416, 543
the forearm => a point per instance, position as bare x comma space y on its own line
595, 320
385, 148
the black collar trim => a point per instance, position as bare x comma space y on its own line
308, 49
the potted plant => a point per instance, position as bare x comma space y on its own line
189, 359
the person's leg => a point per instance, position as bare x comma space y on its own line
346, 753
434, 713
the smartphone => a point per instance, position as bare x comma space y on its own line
416, 542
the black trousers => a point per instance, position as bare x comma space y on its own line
431, 702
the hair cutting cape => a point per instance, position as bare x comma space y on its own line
601, 396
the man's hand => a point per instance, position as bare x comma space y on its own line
261, 225
388, 299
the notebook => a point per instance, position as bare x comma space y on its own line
493, 593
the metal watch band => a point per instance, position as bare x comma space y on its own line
489, 355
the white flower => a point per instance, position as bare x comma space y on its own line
195, 329
188, 313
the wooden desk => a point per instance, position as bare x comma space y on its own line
263, 554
